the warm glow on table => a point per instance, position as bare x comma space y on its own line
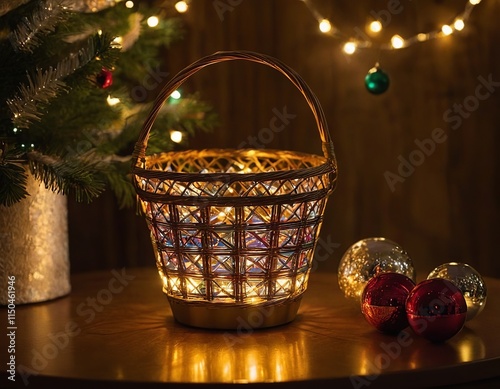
133, 338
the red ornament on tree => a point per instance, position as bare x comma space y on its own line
105, 78
383, 301
436, 309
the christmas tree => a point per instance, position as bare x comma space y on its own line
76, 79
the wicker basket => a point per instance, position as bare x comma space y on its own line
234, 230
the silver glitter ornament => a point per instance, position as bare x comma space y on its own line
468, 280
369, 257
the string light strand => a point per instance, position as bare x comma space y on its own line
397, 41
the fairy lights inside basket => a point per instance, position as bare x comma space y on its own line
234, 252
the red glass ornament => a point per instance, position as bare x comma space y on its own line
105, 78
436, 309
383, 301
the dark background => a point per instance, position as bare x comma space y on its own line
447, 209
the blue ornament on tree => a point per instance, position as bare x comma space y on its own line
376, 81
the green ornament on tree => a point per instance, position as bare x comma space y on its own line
376, 81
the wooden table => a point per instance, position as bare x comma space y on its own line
115, 330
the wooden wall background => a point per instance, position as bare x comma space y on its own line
448, 209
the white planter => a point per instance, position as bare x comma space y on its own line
34, 246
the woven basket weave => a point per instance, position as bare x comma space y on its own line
234, 230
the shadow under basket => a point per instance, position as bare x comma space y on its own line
234, 230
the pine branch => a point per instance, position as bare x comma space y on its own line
43, 20
121, 184
188, 116
98, 51
13, 181
27, 105
71, 176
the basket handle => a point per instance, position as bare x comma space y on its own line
221, 56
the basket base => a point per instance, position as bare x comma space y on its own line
240, 318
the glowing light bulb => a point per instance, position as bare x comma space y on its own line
176, 136
129, 4
375, 26
181, 6
153, 21
112, 101
459, 24
176, 95
118, 40
422, 37
474, 2
325, 26
447, 30
349, 48
397, 42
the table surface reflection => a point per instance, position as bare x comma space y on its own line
115, 329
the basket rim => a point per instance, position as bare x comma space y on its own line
327, 167
238, 151
228, 178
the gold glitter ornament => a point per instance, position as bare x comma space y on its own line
368, 258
